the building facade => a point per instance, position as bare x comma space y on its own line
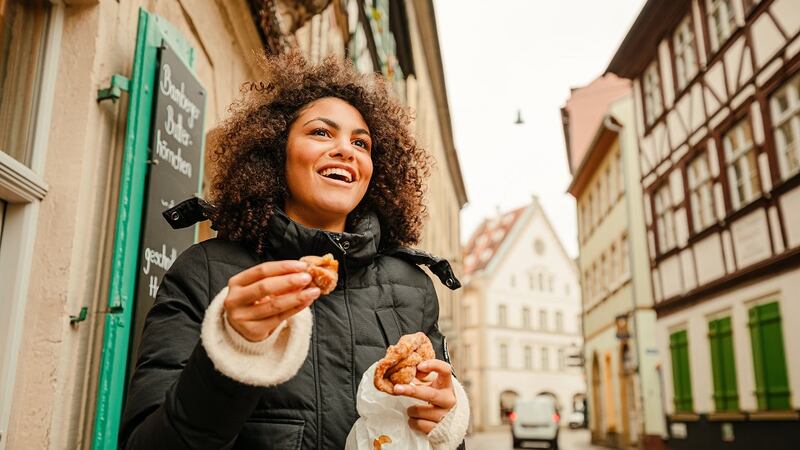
618, 319
716, 87
61, 153
520, 317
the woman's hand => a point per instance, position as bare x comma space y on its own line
263, 296
438, 393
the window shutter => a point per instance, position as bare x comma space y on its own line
680, 371
720, 338
769, 363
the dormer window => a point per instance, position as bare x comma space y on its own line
683, 48
721, 21
651, 85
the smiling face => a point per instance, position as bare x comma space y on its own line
328, 163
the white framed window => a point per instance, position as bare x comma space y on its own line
559, 321
528, 357
545, 355
701, 192
513, 281
721, 21
683, 48
665, 222
651, 86
502, 317
620, 174
785, 108
603, 277
742, 164
613, 271
504, 356
543, 320
526, 317
623, 256
561, 359
609, 187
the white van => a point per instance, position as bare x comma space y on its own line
534, 423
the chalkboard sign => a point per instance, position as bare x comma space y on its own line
175, 171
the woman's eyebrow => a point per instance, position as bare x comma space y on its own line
336, 126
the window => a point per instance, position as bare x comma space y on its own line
559, 321
740, 157
723, 367
541, 281
620, 175
701, 192
513, 281
597, 212
584, 221
531, 281
721, 21
466, 312
22, 38
769, 361
785, 105
651, 85
587, 285
609, 184
528, 357
526, 317
681, 382
466, 360
542, 320
623, 256
551, 283
561, 360
613, 271
665, 223
602, 193
683, 48
602, 282
503, 356
545, 359
501, 315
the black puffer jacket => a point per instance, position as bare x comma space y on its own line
177, 399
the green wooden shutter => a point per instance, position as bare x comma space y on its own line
681, 382
769, 362
720, 337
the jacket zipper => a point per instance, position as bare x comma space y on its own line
317, 387
343, 248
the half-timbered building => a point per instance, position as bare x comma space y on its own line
717, 100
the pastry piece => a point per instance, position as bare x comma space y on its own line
324, 271
399, 366
382, 439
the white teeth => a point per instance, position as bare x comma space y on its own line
337, 171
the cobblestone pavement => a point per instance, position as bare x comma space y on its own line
501, 440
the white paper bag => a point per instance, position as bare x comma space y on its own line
383, 415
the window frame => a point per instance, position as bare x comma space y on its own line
678, 53
792, 118
714, 38
696, 186
733, 156
650, 116
666, 237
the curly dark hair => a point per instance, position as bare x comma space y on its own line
249, 150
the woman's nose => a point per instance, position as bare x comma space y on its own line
343, 150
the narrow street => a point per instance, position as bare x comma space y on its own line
501, 440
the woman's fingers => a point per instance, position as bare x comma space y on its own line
272, 286
276, 306
438, 396
427, 412
266, 270
421, 425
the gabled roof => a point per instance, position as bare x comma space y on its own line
490, 241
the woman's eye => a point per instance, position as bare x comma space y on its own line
320, 132
361, 143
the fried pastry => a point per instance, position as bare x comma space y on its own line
399, 366
382, 439
324, 271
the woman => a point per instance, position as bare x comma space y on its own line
236, 351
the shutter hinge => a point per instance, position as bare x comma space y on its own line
80, 317
118, 84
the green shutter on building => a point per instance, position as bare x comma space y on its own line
720, 337
681, 381
769, 362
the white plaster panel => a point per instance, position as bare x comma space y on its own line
687, 264
676, 186
743, 95
719, 201
792, 49
649, 159
727, 247
747, 67
637, 98
777, 235
708, 259
648, 180
679, 153
715, 79
661, 141
763, 169
721, 116
768, 72
651, 243
657, 286
681, 227
684, 109
733, 61
666, 73
712, 105
696, 115
787, 12
648, 214
712, 158
751, 238
677, 131
670, 270
758, 124
767, 39
790, 207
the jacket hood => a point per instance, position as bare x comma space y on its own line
288, 239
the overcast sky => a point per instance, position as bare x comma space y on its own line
505, 55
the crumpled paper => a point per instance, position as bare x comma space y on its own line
383, 415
